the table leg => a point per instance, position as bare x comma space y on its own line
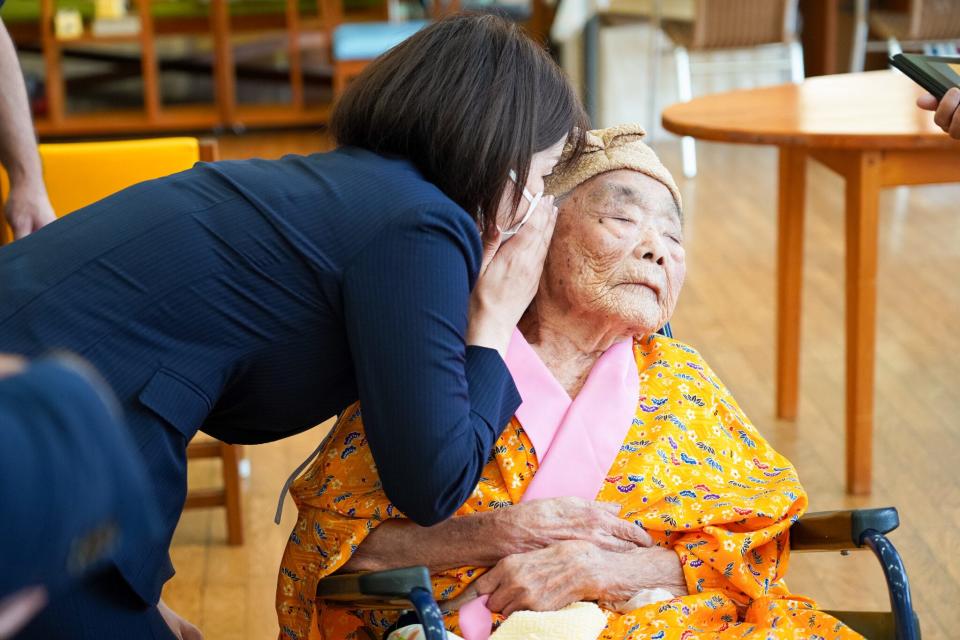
820, 18
591, 69
223, 65
863, 191
793, 180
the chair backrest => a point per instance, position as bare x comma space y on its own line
726, 24
80, 173
934, 19
333, 13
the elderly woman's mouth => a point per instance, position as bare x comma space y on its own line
640, 286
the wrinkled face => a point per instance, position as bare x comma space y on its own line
617, 254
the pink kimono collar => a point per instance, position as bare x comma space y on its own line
584, 434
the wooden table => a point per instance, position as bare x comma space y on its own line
866, 128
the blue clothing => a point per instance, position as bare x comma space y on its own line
71, 488
256, 299
101, 607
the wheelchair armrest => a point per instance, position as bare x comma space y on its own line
374, 586
397, 589
840, 530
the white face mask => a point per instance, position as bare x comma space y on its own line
533, 199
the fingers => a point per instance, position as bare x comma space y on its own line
491, 244
927, 102
182, 629
548, 212
954, 129
946, 109
510, 597
614, 544
502, 590
11, 365
19, 608
631, 532
539, 228
191, 632
21, 229
522, 602
20, 224
610, 507
488, 582
626, 534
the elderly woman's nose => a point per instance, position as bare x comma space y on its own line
650, 247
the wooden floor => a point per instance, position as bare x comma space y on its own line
726, 310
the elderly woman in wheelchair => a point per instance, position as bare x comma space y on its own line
629, 477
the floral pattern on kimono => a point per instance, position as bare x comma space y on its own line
693, 471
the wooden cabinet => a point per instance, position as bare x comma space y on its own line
287, 24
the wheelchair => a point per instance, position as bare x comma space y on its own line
410, 589
843, 531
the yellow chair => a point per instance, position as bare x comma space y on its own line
80, 173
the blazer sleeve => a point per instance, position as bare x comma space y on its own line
72, 490
432, 406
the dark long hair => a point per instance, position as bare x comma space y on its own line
465, 100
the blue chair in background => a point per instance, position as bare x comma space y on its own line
353, 45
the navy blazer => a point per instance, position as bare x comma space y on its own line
255, 299
71, 484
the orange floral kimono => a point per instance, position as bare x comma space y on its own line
692, 471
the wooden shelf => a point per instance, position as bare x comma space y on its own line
154, 116
264, 115
89, 38
179, 118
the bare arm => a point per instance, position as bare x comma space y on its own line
27, 208
466, 541
623, 575
482, 539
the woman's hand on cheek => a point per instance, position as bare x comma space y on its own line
544, 580
509, 278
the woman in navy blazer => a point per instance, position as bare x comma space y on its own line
255, 299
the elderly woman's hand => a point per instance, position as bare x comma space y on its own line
543, 580
551, 578
483, 539
540, 523
947, 115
